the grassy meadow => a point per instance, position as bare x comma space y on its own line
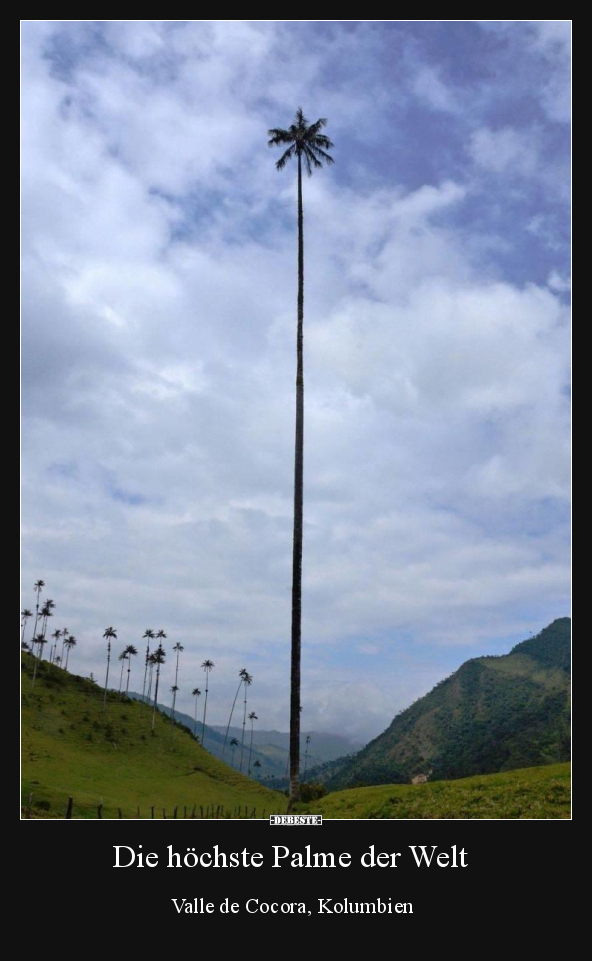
70, 750
536, 792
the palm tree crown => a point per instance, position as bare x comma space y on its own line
305, 141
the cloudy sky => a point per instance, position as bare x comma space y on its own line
159, 303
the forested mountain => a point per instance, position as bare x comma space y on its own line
493, 714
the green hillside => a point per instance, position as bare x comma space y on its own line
493, 714
70, 750
538, 792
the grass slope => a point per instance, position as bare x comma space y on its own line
538, 792
69, 750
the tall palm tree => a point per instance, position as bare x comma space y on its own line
39, 585
40, 641
195, 693
252, 718
25, 614
131, 651
233, 744
241, 675
159, 658
70, 643
305, 142
46, 613
151, 663
56, 636
247, 681
149, 634
122, 657
65, 633
178, 647
110, 632
174, 690
207, 666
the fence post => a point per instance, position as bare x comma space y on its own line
69, 811
175, 811
100, 810
164, 813
152, 811
120, 814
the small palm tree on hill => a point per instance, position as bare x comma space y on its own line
306, 754
65, 634
54, 648
174, 690
130, 651
70, 643
109, 633
241, 675
40, 641
25, 615
247, 681
122, 657
252, 718
159, 659
233, 745
148, 634
195, 693
46, 613
207, 666
39, 585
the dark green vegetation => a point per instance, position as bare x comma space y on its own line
493, 714
71, 750
537, 792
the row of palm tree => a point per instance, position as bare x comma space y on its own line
154, 659
39, 639
153, 663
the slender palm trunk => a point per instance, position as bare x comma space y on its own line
195, 721
129, 669
67, 658
155, 696
298, 511
62, 654
107, 677
230, 718
203, 724
244, 726
250, 748
145, 669
121, 676
35, 625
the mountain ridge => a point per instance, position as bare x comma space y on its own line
494, 713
